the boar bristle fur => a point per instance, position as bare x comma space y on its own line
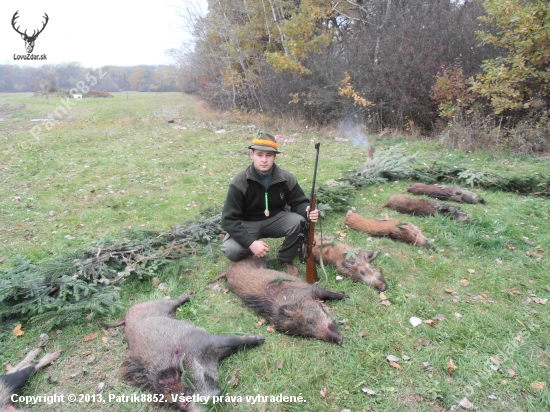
356, 268
163, 349
289, 304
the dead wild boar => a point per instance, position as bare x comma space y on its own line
173, 357
12, 382
425, 207
288, 303
357, 267
404, 232
451, 193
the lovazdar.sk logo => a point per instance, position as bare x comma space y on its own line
29, 39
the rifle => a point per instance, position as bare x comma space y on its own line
309, 232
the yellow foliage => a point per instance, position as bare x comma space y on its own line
347, 90
510, 81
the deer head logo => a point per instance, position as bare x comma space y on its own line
29, 40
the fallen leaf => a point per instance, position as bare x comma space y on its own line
451, 367
440, 317
369, 391
279, 364
395, 365
466, 404
234, 380
406, 358
17, 331
449, 291
383, 296
90, 359
539, 386
520, 322
392, 358
90, 337
104, 339
471, 271
414, 321
323, 393
260, 322
385, 303
432, 258
511, 373
270, 328
464, 282
495, 360
362, 334
431, 322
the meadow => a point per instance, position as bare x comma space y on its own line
117, 164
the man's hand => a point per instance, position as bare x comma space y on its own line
313, 215
259, 248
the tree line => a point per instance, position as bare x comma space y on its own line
385, 63
51, 78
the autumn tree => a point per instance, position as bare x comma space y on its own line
138, 79
521, 74
374, 60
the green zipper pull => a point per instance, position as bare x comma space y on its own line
266, 212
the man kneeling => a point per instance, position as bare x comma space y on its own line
256, 207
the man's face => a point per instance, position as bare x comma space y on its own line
263, 160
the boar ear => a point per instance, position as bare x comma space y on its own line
287, 310
369, 255
347, 263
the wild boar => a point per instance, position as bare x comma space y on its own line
350, 262
425, 207
12, 382
288, 303
173, 358
452, 193
404, 232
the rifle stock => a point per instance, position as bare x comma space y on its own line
311, 268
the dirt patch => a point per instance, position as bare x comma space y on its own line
9, 108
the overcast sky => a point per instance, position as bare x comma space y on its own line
94, 33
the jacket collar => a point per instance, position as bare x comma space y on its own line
251, 174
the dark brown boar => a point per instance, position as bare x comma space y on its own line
12, 382
425, 207
404, 232
452, 193
288, 303
173, 357
356, 267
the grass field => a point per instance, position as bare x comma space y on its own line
112, 164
